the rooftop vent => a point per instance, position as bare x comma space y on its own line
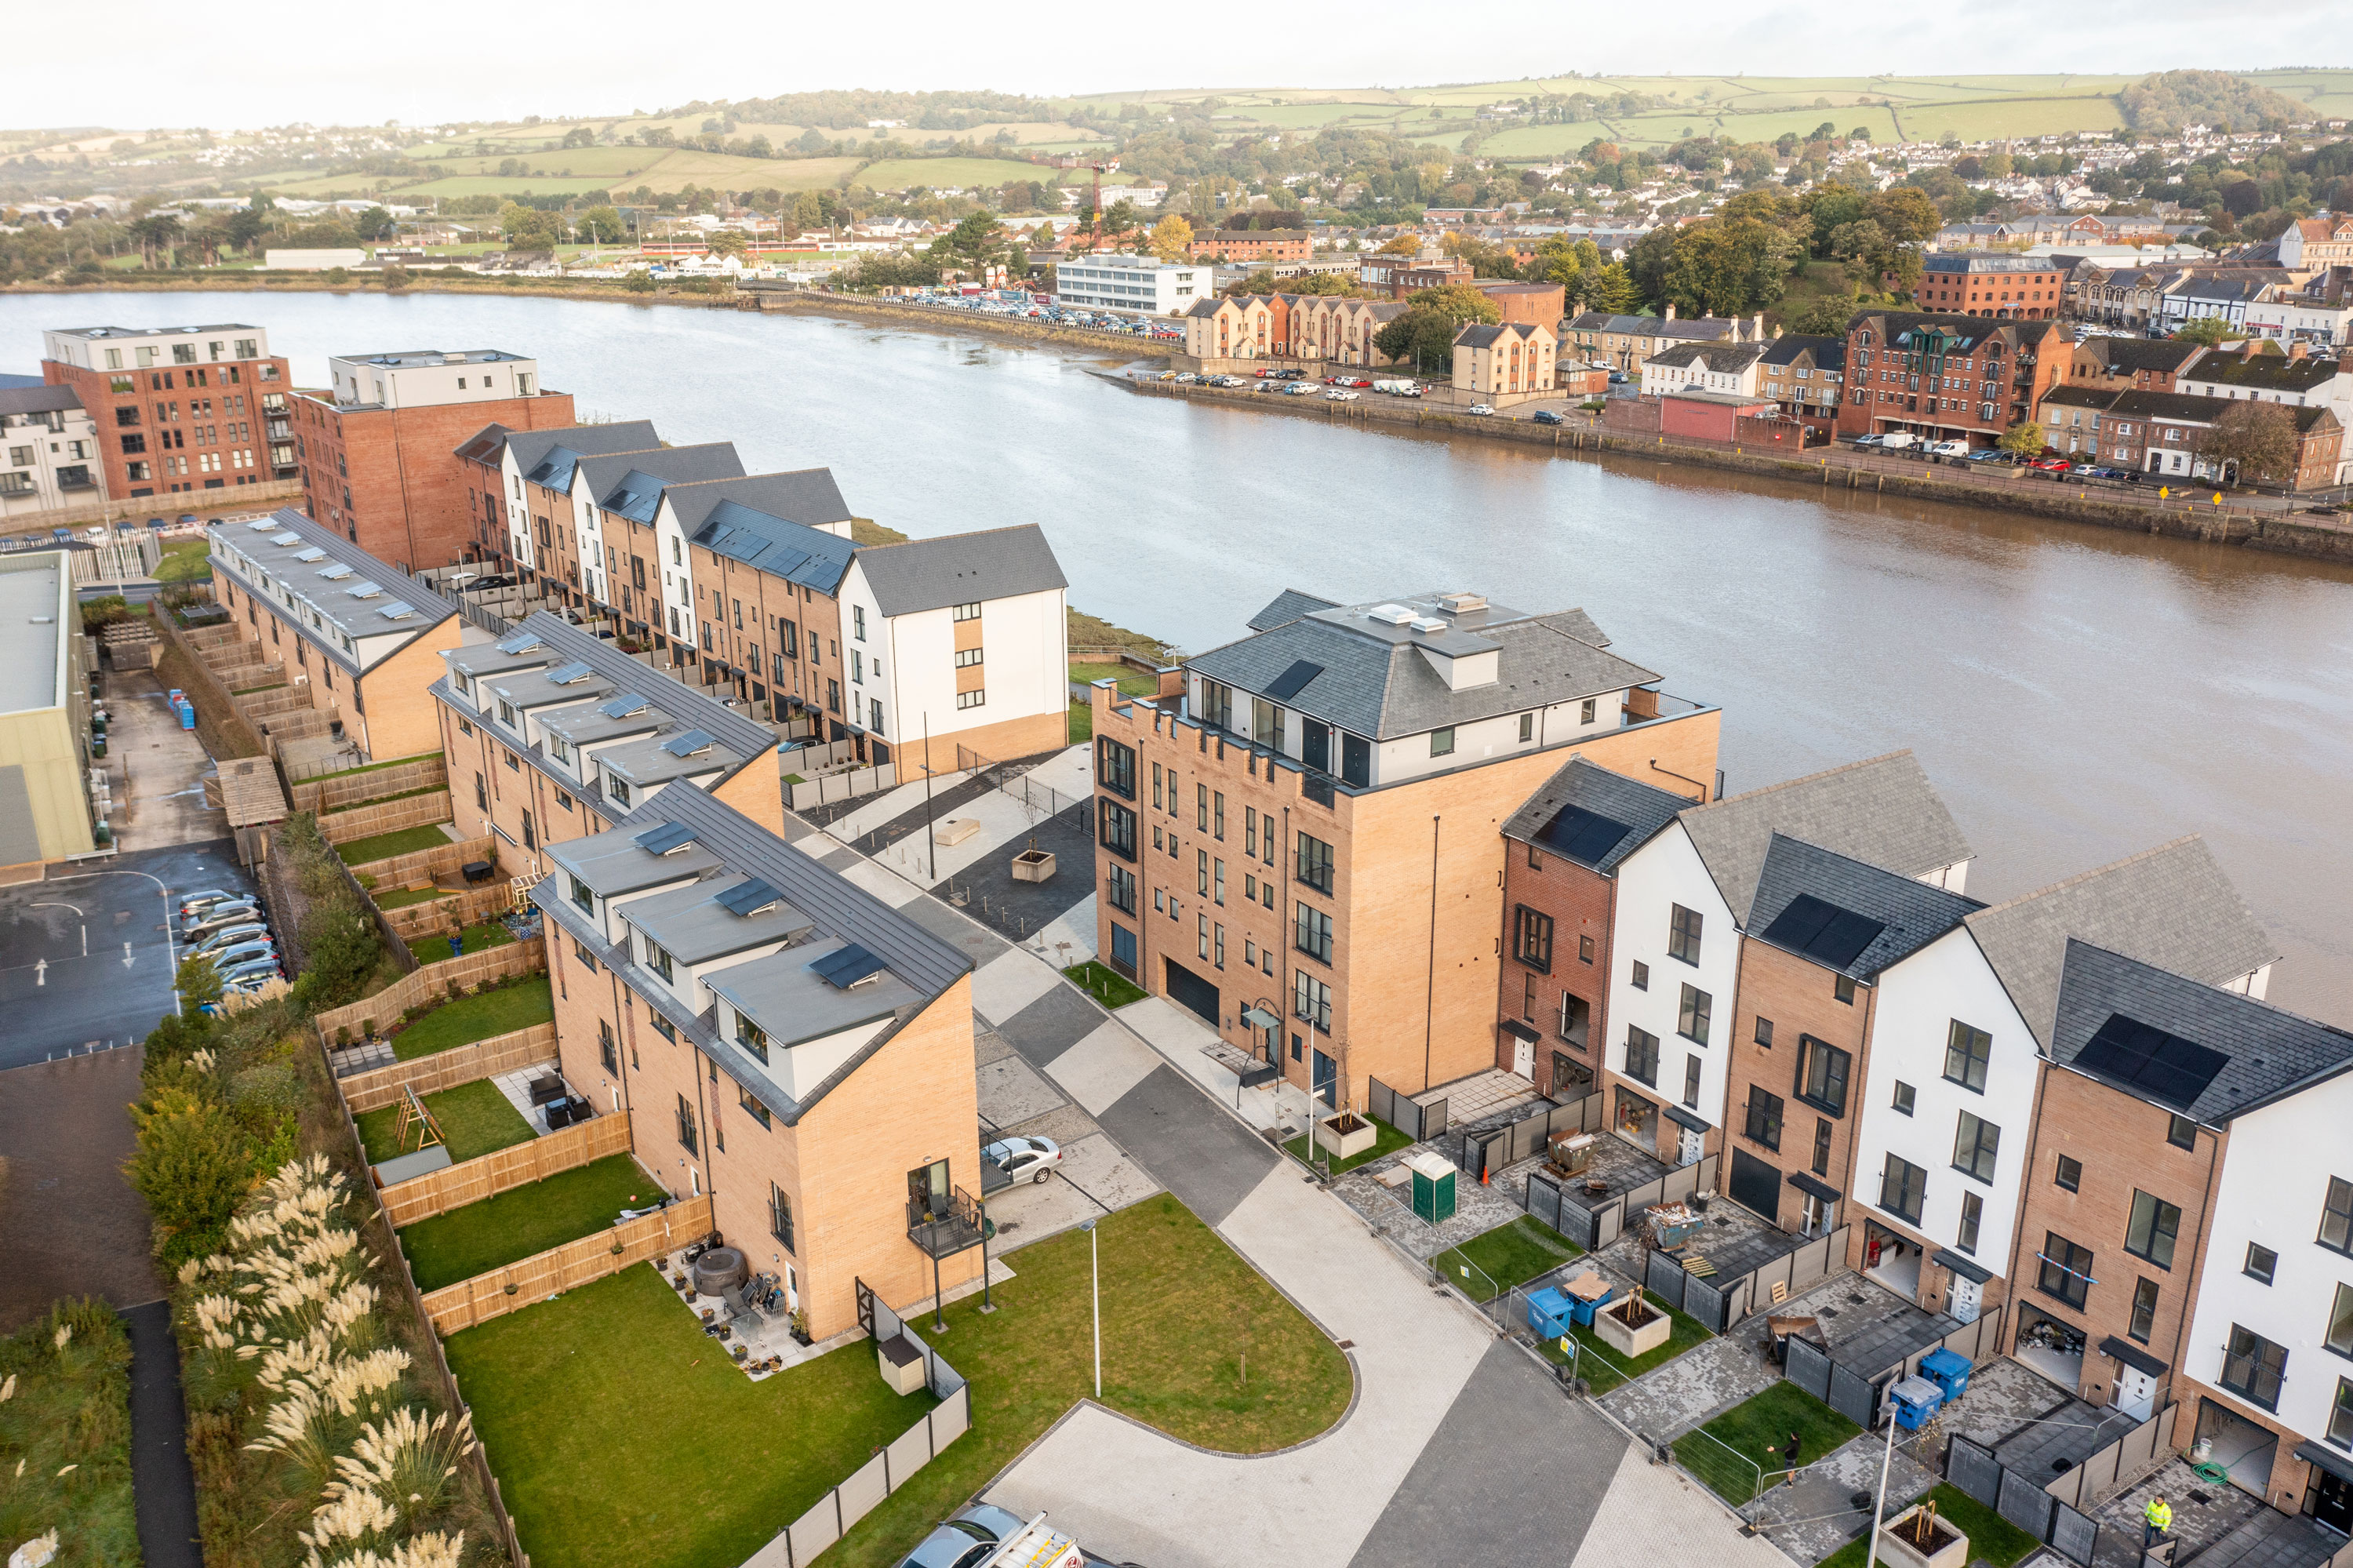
666, 838
363, 589
1462, 603
262, 524
1428, 623
847, 966
692, 743
622, 707
1389, 614
749, 897
335, 573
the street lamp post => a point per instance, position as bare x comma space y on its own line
1094, 1255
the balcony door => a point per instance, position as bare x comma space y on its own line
928, 1192
1315, 744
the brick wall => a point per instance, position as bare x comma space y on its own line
1799, 998
1580, 901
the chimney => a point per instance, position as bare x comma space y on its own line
2250, 348
1757, 334
1671, 310
2296, 352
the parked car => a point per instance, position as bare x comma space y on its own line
1341, 395
252, 975
1870, 440
1992, 455
1949, 448
1618, 379
219, 918
1547, 417
1024, 1159
1300, 389
229, 960
2083, 469
1478, 409
191, 903
189, 518
1357, 381
234, 930
969, 1539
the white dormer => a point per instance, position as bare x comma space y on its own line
1481, 665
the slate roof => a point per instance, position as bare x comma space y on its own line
932, 573
37, 399
1967, 331
808, 496
1911, 912
1592, 791
2272, 1052
2127, 355
1830, 353
2262, 372
1486, 334
1881, 811
257, 541
1373, 681
2170, 906
1694, 328
631, 483
530, 447
1726, 358
1287, 607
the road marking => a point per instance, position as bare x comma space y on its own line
126, 955
41, 972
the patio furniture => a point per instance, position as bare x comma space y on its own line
480, 871
559, 1114
547, 1089
578, 1109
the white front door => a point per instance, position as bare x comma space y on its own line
2136, 1393
1688, 1148
1524, 1057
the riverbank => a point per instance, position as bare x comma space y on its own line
2315, 538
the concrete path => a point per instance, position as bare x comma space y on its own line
1655, 1516
158, 768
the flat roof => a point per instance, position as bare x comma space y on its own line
423, 358
32, 648
693, 926
612, 865
101, 331
646, 763
787, 997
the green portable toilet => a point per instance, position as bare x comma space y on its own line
1433, 1185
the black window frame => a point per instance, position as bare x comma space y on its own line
1972, 1223
2336, 1214
1802, 1085
2250, 1369
1311, 932
2065, 1273
2144, 1233
2340, 1429
1693, 1069
688, 1130
1115, 766
1312, 866
1969, 1048
780, 1218
1642, 1057
2180, 1132
2268, 1269
1116, 828
1120, 887
2140, 1317
1983, 1152
1904, 1100
1898, 1179
1761, 1124
1638, 977
608, 1048
1532, 933
1694, 1013
1684, 931
1763, 1033
1842, 989
2338, 1336
2067, 1174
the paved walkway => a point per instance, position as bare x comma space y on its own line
162, 1485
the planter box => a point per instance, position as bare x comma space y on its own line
1610, 1322
1346, 1135
1951, 1548
1033, 865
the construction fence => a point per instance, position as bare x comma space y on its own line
381, 1087
567, 1268
470, 1181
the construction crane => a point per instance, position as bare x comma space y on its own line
1095, 198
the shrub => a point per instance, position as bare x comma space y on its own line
193, 1166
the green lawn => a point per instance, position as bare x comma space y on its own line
1172, 1357
1386, 1139
472, 1018
1131, 681
409, 895
1992, 1539
1105, 983
621, 1434
1758, 1431
524, 1220
1602, 1376
65, 1430
476, 939
384, 846
475, 1120
184, 561
1083, 723
1509, 1255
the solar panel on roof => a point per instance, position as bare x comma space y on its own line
1582, 835
690, 743
668, 837
520, 642
311, 553
262, 524
2166, 1067
399, 609
288, 537
847, 966
363, 589
1293, 681
622, 706
746, 896
335, 573
1823, 932
566, 674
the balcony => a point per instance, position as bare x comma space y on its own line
944, 1230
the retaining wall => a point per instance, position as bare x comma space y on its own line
381, 1087
566, 1267
433, 983
426, 772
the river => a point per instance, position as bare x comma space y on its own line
2076, 693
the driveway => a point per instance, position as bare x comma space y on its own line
158, 768
69, 1224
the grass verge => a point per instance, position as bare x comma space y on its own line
475, 1120
371, 768
1602, 1375
384, 846
1083, 723
475, 938
1103, 983
471, 1018
1992, 1539
1386, 1139
184, 561
1131, 681
68, 1427
1509, 1255
1758, 1431
524, 1220
1173, 1358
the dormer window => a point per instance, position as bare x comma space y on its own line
506, 712
752, 1037
618, 789
583, 896
657, 960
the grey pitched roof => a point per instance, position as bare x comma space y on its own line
2123, 355
808, 496
765, 521
2270, 1054
1830, 353
631, 483
2262, 372
1488, 335
257, 540
37, 399
1882, 812
960, 569
529, 448
1287, 607
1374, 682
1726, 358
1562, 816
1911, 914
2170, 906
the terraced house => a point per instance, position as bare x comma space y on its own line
781, 1039
553, 734
1298, 840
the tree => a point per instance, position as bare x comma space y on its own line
374, 224
1612, 290
197, 982
2024, 438
1403, 245
193, 1166
1425, 333
1171, 238
728, 242
602, 226
2254, 442
809, 212
2207, 330
1119, 216
1729, 268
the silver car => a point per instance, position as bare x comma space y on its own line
1024, 1159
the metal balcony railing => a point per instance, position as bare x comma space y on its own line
944, 1229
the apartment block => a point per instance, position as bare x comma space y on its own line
1143, 283
1504, 364
48, 451
352, 631
782, 1040
1948, 377
1991, 283
1298, 841
554, 734
177, 408
46, 812
377, 446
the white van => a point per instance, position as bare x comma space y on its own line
1950, 450
1895, 440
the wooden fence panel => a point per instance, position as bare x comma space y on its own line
367, 821
567, 1268
427, 772
381, 1087
425, 864
432, 983
455, 1186
471, 907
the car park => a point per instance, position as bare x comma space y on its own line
235, 936
253, 972
1024, 1159
219, 918
193, 902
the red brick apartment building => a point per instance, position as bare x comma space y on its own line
1991, 283
1527, 304
177, 408
1947, 378
378, 447
1242, 245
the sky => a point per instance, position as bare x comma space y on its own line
167, 63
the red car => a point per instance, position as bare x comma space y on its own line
2050, 465
1264, 373
1355, 381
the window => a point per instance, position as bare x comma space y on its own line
1763, 1033
1585, 711
657, 960
686, 1126
2151, 1233
1763, 1124
2066, 1271
2181, 1132
1528, 727
663, 1027
1842, 987
1905, 1098
752, 1037
2340, 1416
1442, 742
580, 952
1642, 975
1976, 1146
1691, 1069
1691, 1017
1966, 1050
1584, 950
963, 699
1642, 1055
1118, 827
1266, 724
1121, 890
2068, 1175
1682, 934
1972, 1221
780, 1216
2252, 1366
857, 619
1903, 1186
2337, 1216
1311, 999
965, 612
1312, 933
2340, 1337
1217, 704
2262, 1264
752, 1108
1315, 867
1821, 1074
607, 1048
1532, 938
2144, 1310
966, 657
583, 896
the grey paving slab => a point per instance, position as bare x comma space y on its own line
840, 859
2204, 1515
989, 1046
950, 927
1209, 1160
1012, 1092
1053, 1024
1704, 1382
1812, 1515
2003, 1396
1389, 1209
1065, 1124
1516, 1473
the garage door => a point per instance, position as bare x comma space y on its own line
1756, 1186
1191, 990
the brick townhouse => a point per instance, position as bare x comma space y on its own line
551, 733
178, 408
1287, 326
361, 638
1806, 375
1947, 378
1298, 840
376, 445
1625, 344
1400, 276
1247, 245
1527, 304
782, 1040
2130, 364
2162, 434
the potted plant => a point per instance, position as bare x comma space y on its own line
1632, 1326
1346, 1135
1918, 1538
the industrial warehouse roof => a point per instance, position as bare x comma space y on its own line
35, 590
